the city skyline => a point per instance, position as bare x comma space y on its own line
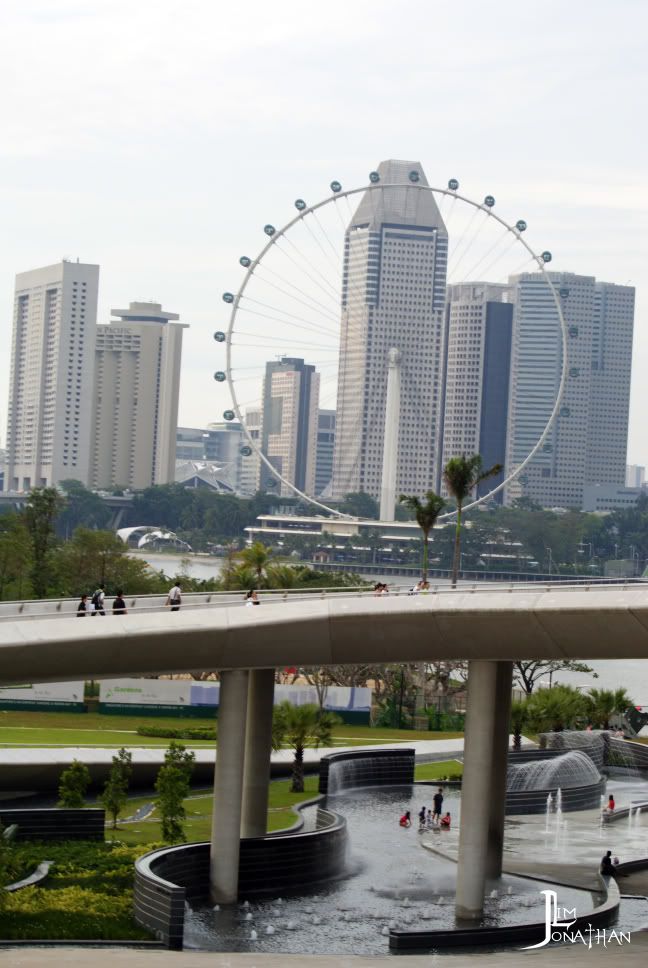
193, 212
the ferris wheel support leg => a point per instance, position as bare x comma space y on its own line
390, 443
228, 787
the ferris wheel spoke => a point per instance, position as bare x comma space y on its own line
491, 254
320, 245
336, 253
271, 346
285, 317
314, 309
331, 289
466, 240
332, 310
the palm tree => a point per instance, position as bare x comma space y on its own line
259, 558
297, 726
604, 703
519, 719
461, 476
426, 515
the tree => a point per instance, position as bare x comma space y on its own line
462, 475
602, 704
94, 557
426, 515
519, 719
115, 793
526, 673
360, 505
73, 785
298, 726
561, 707
172, 786
83, 508
39, 515
15, 557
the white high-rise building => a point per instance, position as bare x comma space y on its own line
137, 384
635, 475
587, 443
393, 296
289, 425
478, 362
52, 374
251, 463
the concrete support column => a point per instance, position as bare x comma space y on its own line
476, 789
497, 805
228, 787
258, 748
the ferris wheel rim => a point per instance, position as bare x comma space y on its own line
278, 233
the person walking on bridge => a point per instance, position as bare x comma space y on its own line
98, 600
174, 598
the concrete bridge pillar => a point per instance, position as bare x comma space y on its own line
501, 726
484, 761
258, 749
228, 787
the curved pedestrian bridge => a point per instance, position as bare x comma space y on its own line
593, 621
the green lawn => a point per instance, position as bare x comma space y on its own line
438, 771
94, 729
199, 808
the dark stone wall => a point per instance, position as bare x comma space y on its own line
272, 865
624, 754
56, 823
372, 768
573, 798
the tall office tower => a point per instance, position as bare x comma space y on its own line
324, 453
251, 463
52, 374
635, 475
578, 451
607, 441
393, 296
478, 360
289, 425
135, 413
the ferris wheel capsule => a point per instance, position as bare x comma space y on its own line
269, 229
245, 451
489, 201
219, 336
219, 376
521, 225
300, 204
245, 261
414, 176
228, 297
374, 177
228, 415
546, 257
453, 184
336, 187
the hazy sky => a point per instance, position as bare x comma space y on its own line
157, 138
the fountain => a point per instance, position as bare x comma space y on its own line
571, 777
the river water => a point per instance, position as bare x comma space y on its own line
196, 566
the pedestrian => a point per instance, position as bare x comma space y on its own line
422, 815
98, 599
252, 598
174, 598
611, 804
429, 821
438, 803
119, 605
83, 607
405, 820
607, 867
445, 822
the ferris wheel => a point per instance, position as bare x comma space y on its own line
297, 297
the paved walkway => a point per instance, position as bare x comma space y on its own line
634, 955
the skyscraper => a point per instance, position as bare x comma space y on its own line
478, 360
137, 385
393, 296
289, 424
325, 448
52, 371
587, 443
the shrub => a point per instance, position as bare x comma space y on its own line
172, 786
73, 785
187, 732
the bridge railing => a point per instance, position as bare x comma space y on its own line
67, 607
